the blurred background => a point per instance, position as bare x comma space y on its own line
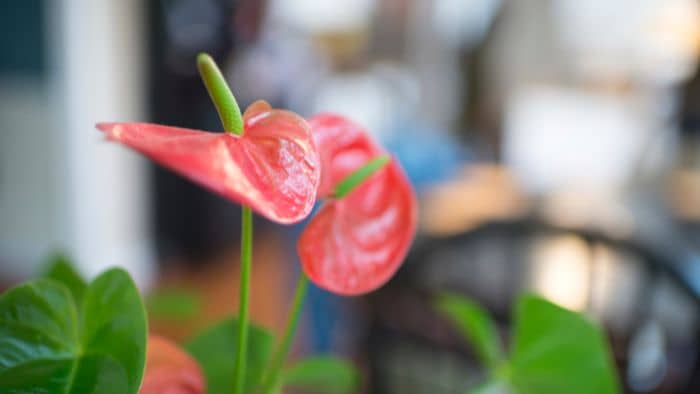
555, 146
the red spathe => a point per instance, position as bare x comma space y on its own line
272, 168
169, 370
355, 244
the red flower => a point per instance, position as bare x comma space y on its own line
356, 243
169, 370
273, 167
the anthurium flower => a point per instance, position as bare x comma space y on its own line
355, 243
273, 167
169, 370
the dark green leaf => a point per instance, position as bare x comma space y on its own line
114, 323
46, 348
88, 374
215, 350
559, 351
38, 320
476, 326
173, 304
101, 374
60, 268
322, 375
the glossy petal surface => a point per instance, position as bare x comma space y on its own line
355, 244
273, 168
343, 147
170, 370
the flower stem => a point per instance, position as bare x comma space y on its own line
275, 367
220, 93
231, 119
246, 257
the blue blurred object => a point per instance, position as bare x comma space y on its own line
428, 154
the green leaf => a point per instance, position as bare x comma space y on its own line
46, 348
86, 374
493, 386
60, 268
114, 323
559, 351
476, 326
215, 350
38, 320
322, 374
173, 304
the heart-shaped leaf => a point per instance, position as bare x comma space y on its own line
554, 350
46, 348
559, 351
475, 324
322, 374
114, 322
91, 374
170, 370
215, 350
60, 268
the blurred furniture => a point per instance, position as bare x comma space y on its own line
650, 311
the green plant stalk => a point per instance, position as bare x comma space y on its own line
232, 120
244, 298
220, 93
344, 187
275, 367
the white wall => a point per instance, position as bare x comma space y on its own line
100, 77
73, 190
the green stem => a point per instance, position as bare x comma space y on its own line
350, 182
275, 367
246, 257
224, 101
231, 119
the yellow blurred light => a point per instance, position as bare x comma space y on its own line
481, 194
562, 271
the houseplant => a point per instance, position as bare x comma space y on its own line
60, 334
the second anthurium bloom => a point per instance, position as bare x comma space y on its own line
359, 238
